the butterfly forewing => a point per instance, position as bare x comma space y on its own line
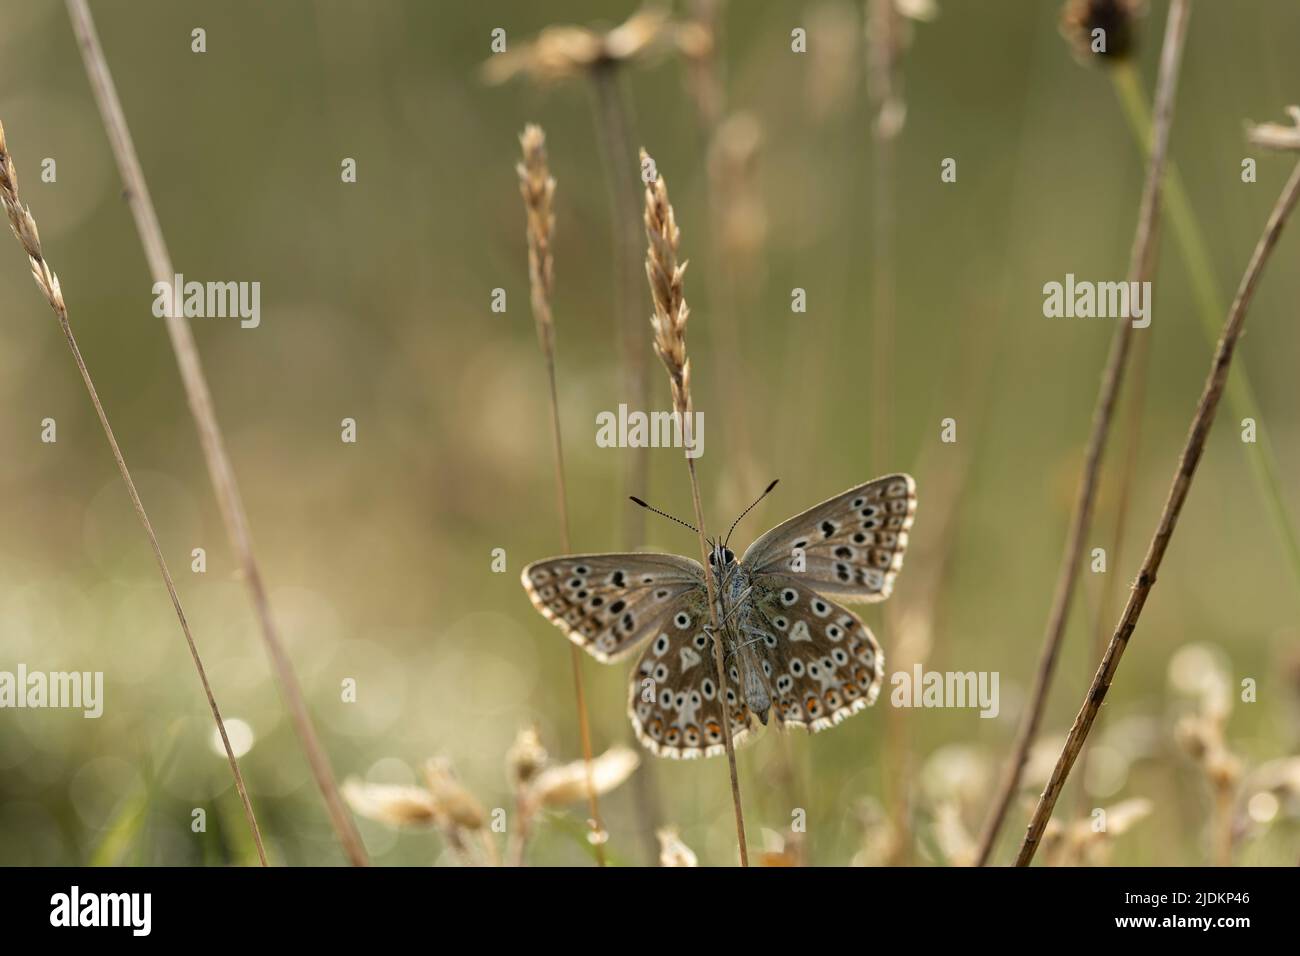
673, 698
822, 663
851, 545
607, 604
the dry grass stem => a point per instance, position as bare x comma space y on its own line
205, 418
537, 187
1141, 260
1193, 449
664, 273
24, 229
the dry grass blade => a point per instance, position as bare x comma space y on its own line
665, 273
24, 228
1193, 448
205, 419
537, 187
1141, 260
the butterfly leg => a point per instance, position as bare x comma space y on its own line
726, 620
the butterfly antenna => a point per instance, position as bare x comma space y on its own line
766, 492
663, 513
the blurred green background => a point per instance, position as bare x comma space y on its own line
376, 306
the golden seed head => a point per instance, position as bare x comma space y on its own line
562, 52
1278, 135
558, 786
395, 805
526, 757
665, 274
537, 187
454, 804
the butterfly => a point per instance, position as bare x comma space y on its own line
790, 652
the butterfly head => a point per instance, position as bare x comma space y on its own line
721, 558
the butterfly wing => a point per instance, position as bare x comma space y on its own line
607, 604
822, 663
673, 697
852, 544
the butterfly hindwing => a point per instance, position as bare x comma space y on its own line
850, 545
607, 604
822, 663
673, 698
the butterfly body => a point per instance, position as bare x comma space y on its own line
789, 652
735, 609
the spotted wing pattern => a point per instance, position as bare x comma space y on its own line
607, 604
822, 663
673, 696
851, 545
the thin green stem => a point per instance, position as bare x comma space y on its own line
1190, 240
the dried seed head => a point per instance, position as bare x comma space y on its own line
1276, 135
395, 805
25, 231
557, 786
537, 187
562, 52
1105, 29
453, 803
8, 176
672, 851
664, 274
526, 757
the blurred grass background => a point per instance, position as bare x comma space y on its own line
376, 306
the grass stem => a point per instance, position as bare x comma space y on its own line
1141, 261
1190, 242
664, 273
205, 418
537, 187
24, 228
1193, 449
